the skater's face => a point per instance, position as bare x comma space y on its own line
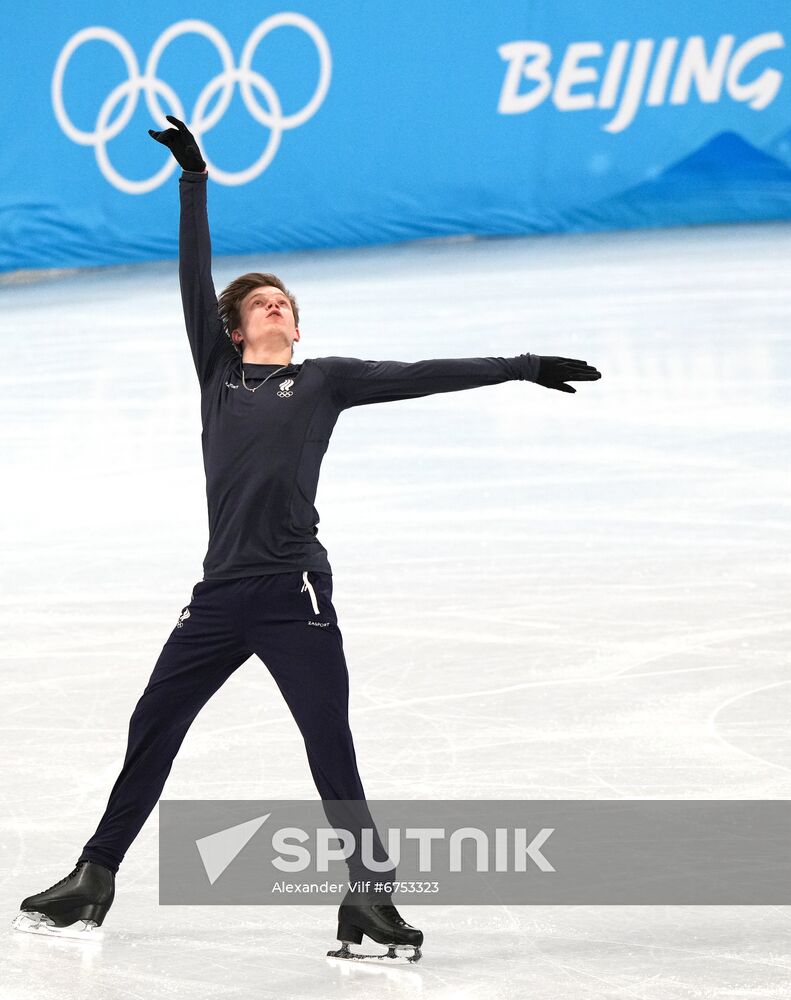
266, 320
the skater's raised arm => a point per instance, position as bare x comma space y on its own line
198, 297
356, 382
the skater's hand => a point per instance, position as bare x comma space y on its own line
554, 372
181, 143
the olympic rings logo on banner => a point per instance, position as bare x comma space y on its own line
273, 117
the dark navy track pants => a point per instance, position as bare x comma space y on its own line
286, 619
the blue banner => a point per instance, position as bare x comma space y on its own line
332, 124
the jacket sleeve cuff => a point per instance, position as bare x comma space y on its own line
529, 365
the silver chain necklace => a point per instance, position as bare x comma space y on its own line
282, 368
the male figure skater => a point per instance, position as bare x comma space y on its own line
267, 584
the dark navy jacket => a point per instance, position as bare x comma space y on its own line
262, 450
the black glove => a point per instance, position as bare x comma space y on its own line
553, 372
181, 143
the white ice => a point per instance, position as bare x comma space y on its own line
542, 595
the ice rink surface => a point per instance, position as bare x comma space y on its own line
542, 595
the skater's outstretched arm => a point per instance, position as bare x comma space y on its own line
357, 382
207, 338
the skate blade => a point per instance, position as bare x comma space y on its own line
31, 922
392, 953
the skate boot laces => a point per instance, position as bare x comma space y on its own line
390, 913
63, 880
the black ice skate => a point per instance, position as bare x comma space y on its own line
382, 922
74, 907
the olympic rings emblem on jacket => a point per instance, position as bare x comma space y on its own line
248, 79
